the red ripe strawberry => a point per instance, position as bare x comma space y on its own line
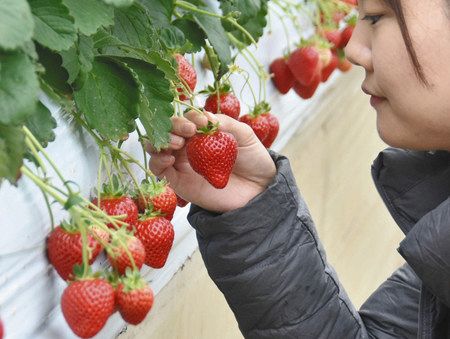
156, 234
282, 78
344, 65
134, 299
225, 103
86, 305
64, 249
2, 332
333, 36
351, 2
114, 202
264, 124
212, 154
329, 69
274, 128
181, 202
157, 196
304, 63
117, 255
187, 75
307, 92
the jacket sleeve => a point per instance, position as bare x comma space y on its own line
427, 249
268, 262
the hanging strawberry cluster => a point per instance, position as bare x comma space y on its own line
314, 59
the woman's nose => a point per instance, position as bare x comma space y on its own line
359, 49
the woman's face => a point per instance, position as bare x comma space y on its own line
409, 114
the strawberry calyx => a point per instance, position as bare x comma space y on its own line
132, 281
152, 188
210, 129
261, 108
149, 214
221, 88
69, 227
113, 189
352, 20
80, 274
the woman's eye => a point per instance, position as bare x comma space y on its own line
372, 18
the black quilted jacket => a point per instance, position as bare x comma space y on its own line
268, 261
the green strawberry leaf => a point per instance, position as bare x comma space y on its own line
90, 15
109, 99
19, 87
160, 11
78, 58
156, 102
16, 23
12, 150
172, 37
248, 9
194, 35
41, 124
55, 75
119, 3
54, 27
217, 37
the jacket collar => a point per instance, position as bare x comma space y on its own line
411, 183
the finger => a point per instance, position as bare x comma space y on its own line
183, 127
175, 143
160, 163
199, 119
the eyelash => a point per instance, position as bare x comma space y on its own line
372, 18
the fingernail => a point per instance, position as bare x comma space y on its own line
211, 117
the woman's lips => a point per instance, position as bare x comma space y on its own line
375, 101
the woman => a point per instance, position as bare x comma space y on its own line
257, 238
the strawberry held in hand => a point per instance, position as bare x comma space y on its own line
225, 103
114, 202
156, 234
212, 154
87, 304
157, 196
282, 77
134, 298
117, 254
187, 75
64, 249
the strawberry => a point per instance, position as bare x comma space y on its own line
274, 128
264, 124
333, 36
118, 256
86, 305
225, 103
114, 202
181, 202
2, 332
64, 249
346, 34
134, 299
212, 154
157, 196
307, 92
187, 75
304, 63
156, 234
282, 77
329, 69
344, 64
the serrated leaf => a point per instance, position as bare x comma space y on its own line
41, 124
54, 27
217, 37
248, 9
16, 23
172, 37
119, 3
109, 99
193, 33
90, 15
79, 57
19, 87
156, 98
160, 11
132, 26
255, 25
55, 75
12, 150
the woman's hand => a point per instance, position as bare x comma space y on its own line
253, 171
